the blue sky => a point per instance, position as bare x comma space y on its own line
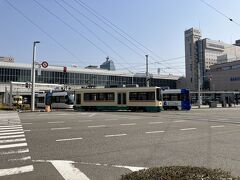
158, 24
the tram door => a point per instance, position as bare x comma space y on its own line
122, 98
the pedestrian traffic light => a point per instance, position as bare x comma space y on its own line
26, 85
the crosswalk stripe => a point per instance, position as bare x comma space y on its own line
21, 159
11, 133
5, 128
11, 126
13, 136
12, 140
5, 146
11, 130
19, 151
16, 170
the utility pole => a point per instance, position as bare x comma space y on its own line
199, 86
147, 75
33, 76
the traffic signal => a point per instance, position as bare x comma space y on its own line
26, 85
64, 69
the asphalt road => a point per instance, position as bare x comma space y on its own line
104, 145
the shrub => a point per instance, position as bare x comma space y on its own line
178, 173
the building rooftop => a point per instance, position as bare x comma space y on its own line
99, 71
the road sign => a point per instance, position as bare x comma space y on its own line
44, 64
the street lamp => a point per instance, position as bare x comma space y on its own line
33, 76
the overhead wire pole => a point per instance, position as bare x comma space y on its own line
147, 75
199, 86
33, 76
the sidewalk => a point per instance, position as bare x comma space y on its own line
218, 106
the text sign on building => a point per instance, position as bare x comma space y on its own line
44, 64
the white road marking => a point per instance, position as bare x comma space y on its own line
134, 118
12, 133
153, 132
5, 146
21, 159
83, 113
16, 170
12, 140
60, 128
220, 126
56, 122
12, 130
85, 121
20, 151
179, 121
111, 119
132, 168
70, 139
9, 128
13, 136
155, 122
188, 129
130, 124
26, 123
115, 135
68, 171
97, 126
27, 130
91, 115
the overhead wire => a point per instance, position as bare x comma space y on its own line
42, 30
106, 31
220, 12
105, 21
73, 29
91, 31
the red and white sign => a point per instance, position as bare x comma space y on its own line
44, 64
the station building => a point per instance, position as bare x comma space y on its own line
75, 77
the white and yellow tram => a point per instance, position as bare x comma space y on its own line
108, 99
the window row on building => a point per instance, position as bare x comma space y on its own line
70, 78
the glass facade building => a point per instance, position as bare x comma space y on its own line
77, 76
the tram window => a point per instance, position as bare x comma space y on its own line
159, 95
171, 97
70, 99
56, 99
132, 96
174, 97
139, 96
99, 96
78, 99
40, 99
62, 99
89, 97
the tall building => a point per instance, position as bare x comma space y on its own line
191, 37
207, 52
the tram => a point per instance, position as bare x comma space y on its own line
147, 99
58, 100
178, 99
